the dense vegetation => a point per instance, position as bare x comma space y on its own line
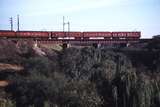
87, 77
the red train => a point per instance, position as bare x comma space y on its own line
69, 35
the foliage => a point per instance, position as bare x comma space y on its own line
76, 63
81, 93
88, 77
40, 65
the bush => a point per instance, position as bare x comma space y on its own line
40, 65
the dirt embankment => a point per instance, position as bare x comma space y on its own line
11, 56
3, 83
13, 67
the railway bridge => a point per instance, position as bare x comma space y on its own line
89, 42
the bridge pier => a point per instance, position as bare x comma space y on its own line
128, 44
36, 44
65, 45
96, 45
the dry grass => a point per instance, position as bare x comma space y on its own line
57, 47
13, 67
3, 83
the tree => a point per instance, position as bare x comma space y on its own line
77, 63
40, 65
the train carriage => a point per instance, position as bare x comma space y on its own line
133, 34
57, 34
32, 34
97, 34
126, 35
7, 33
119, 34
73, 34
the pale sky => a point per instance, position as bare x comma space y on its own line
84, 15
